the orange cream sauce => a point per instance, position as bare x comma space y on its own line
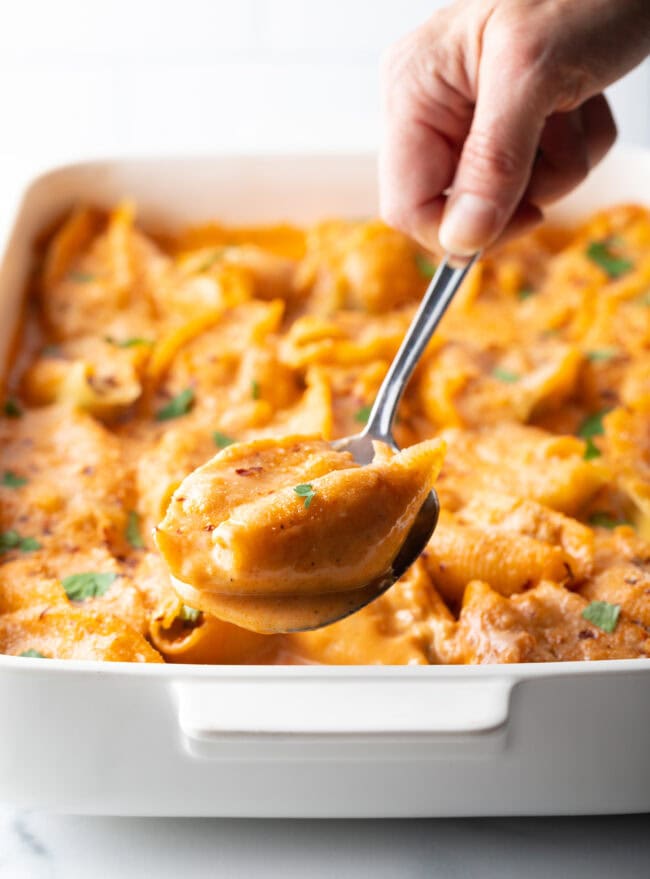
141, 357
278, 535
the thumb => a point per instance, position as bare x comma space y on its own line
496, 160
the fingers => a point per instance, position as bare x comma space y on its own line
423, 124
472, 131
599, 127
416, 165
496, 160
571, 144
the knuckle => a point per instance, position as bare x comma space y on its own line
511, 40
415, 59
572, 86
488, 158
397, 59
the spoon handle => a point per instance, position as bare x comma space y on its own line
439, 294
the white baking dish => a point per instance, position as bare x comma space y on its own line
83, 737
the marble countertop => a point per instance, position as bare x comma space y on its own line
34, 846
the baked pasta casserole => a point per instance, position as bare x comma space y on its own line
141, 355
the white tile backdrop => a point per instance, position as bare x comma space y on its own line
85, 78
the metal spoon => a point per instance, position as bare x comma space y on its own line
301, 613
379, 426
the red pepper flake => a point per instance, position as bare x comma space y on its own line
583, 634
209, 527
248, 471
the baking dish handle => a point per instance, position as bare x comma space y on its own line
235, 714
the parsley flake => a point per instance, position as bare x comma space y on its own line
591, 450
132, 531
605, 520
593, 425
600, 254
189, 615
32, 654
602, 614
222, 440
51, 351
12, 540
505, 375
209, 261
424, 265
177, 406
9, 479
89, 584
255, 389
602, 355
525, 293
12, 409
306, 491
363, 414
29, 544
9, 540
131, 342
81, 277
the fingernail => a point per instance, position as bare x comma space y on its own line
468, 224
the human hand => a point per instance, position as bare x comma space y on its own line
493, 108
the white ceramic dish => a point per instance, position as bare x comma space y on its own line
557, 738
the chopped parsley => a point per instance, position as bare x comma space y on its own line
306, 491
9, 479
12, 540
189, 615
255, 389
363, 414
131, 342
505, 375
132, 531
222, 440
177, 406
525, 293
32, 654
602, 614
591, 450
600, 254
89, 584
12, 409
82, 277
424, 265
602, 355
605, 520
593, 425
209, 261
51, 351
29, 544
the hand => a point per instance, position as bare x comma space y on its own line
493, 108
